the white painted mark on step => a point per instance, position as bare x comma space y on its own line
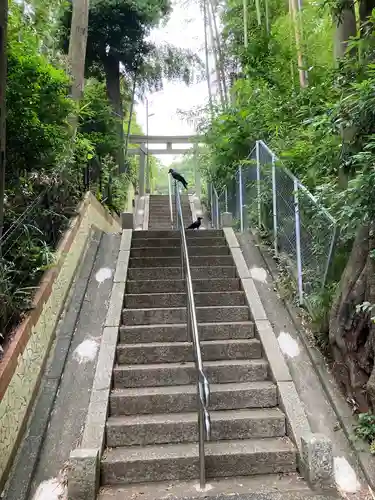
345, 476
288, 345
86, 351
52, 489
105, 273
259, 274
208, 487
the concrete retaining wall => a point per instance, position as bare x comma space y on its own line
24, 358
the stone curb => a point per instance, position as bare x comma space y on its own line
32, 443
84, 471
342, 411
139, 213
298, 428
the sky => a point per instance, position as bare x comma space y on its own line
185, 30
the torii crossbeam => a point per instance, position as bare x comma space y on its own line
143, 151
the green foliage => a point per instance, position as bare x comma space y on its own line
324, 134
38, 106
124, 27
97, 122
44, 180
365, 429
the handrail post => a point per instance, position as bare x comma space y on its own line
203, 390
170, 198
212, 207
241, 195
217, 211
175, 196
202, 458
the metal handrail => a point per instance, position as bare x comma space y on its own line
170, 199
203, 388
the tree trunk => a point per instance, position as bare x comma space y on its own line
130, 115
346, 28
352, 333
3, 82
112, 75
77, 51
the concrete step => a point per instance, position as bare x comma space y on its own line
212, 233
165, 214
155, 273
261, 487
186, 215
174, 352
165, 211
165, 203
157, 208
164, 223
198, 261
217, 372
162, 316
181, 461
175, 399
166, 197
178, 332
173, 299
143, 430
176, 251
179, 285
176, 241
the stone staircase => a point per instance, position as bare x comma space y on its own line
151, 433
159, 212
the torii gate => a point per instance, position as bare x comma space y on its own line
143, 150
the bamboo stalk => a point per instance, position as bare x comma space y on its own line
291, 29
297, 32
219, 51
213, 45
245, 40
259, 17
208, 77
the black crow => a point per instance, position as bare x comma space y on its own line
178, 177
196, 224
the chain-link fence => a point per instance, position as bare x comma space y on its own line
265, 195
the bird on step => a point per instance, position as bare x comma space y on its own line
196, 224
178, 177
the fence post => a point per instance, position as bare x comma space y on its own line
258, 185
298, 243
274, 204
241, 200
